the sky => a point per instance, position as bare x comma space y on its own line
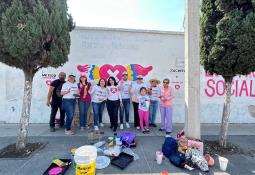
166, 15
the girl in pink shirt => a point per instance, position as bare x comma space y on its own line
166, 101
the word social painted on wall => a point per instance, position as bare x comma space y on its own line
242, 86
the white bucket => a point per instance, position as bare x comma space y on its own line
223, 163
159, 157
85, 159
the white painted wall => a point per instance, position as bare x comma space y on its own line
162, 50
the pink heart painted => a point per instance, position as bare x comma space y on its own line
108, 70
177, 86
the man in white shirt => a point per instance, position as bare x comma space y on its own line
125, 88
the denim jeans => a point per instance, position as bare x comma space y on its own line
69, 107
98, 109
125, 109
153, 111
84, 106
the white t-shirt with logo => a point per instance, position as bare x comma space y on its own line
155, 93
124, 89
136, 90
113, 93
144, 102
72, 87
98, 94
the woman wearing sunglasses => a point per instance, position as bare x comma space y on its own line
166, 101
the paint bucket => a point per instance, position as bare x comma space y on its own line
85, 159
223, 163
159, 157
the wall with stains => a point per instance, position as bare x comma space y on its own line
105, 52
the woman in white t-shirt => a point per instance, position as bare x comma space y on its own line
98, 97
113, 102
154, 92
69, 91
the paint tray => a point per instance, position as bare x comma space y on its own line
123, 160
53, 165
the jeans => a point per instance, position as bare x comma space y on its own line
136, 115
54, 109
153, 111
98, 109
69, 107
125, 109
84, 106
113, 108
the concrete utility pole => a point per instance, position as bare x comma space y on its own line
192, 69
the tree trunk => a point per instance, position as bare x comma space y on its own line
24, 120
226, 112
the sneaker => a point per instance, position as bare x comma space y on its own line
69, 132
127, 125
101, 124
138, 127
161, 129
96, 128
52, 129
87, 126
143, 131
121, 126
154, 125
82, 128
147, 129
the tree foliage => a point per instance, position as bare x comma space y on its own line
227, 44
34, 33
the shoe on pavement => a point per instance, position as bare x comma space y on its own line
52, 129
161, 129
138, 127
154, 125
69, 132
101, 124
82, 128
96, 128
127, 125
121, 126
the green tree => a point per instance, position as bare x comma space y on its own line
227, 45
33, 34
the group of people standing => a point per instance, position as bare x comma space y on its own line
117, 96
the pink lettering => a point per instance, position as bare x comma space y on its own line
243, 88
218, 89
251, 89
211, 92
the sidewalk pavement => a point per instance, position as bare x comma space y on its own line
59, 146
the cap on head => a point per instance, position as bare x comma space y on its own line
71, 75
139, 77
124, 73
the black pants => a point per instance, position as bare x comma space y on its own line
54, 109
113, 108
136, 115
